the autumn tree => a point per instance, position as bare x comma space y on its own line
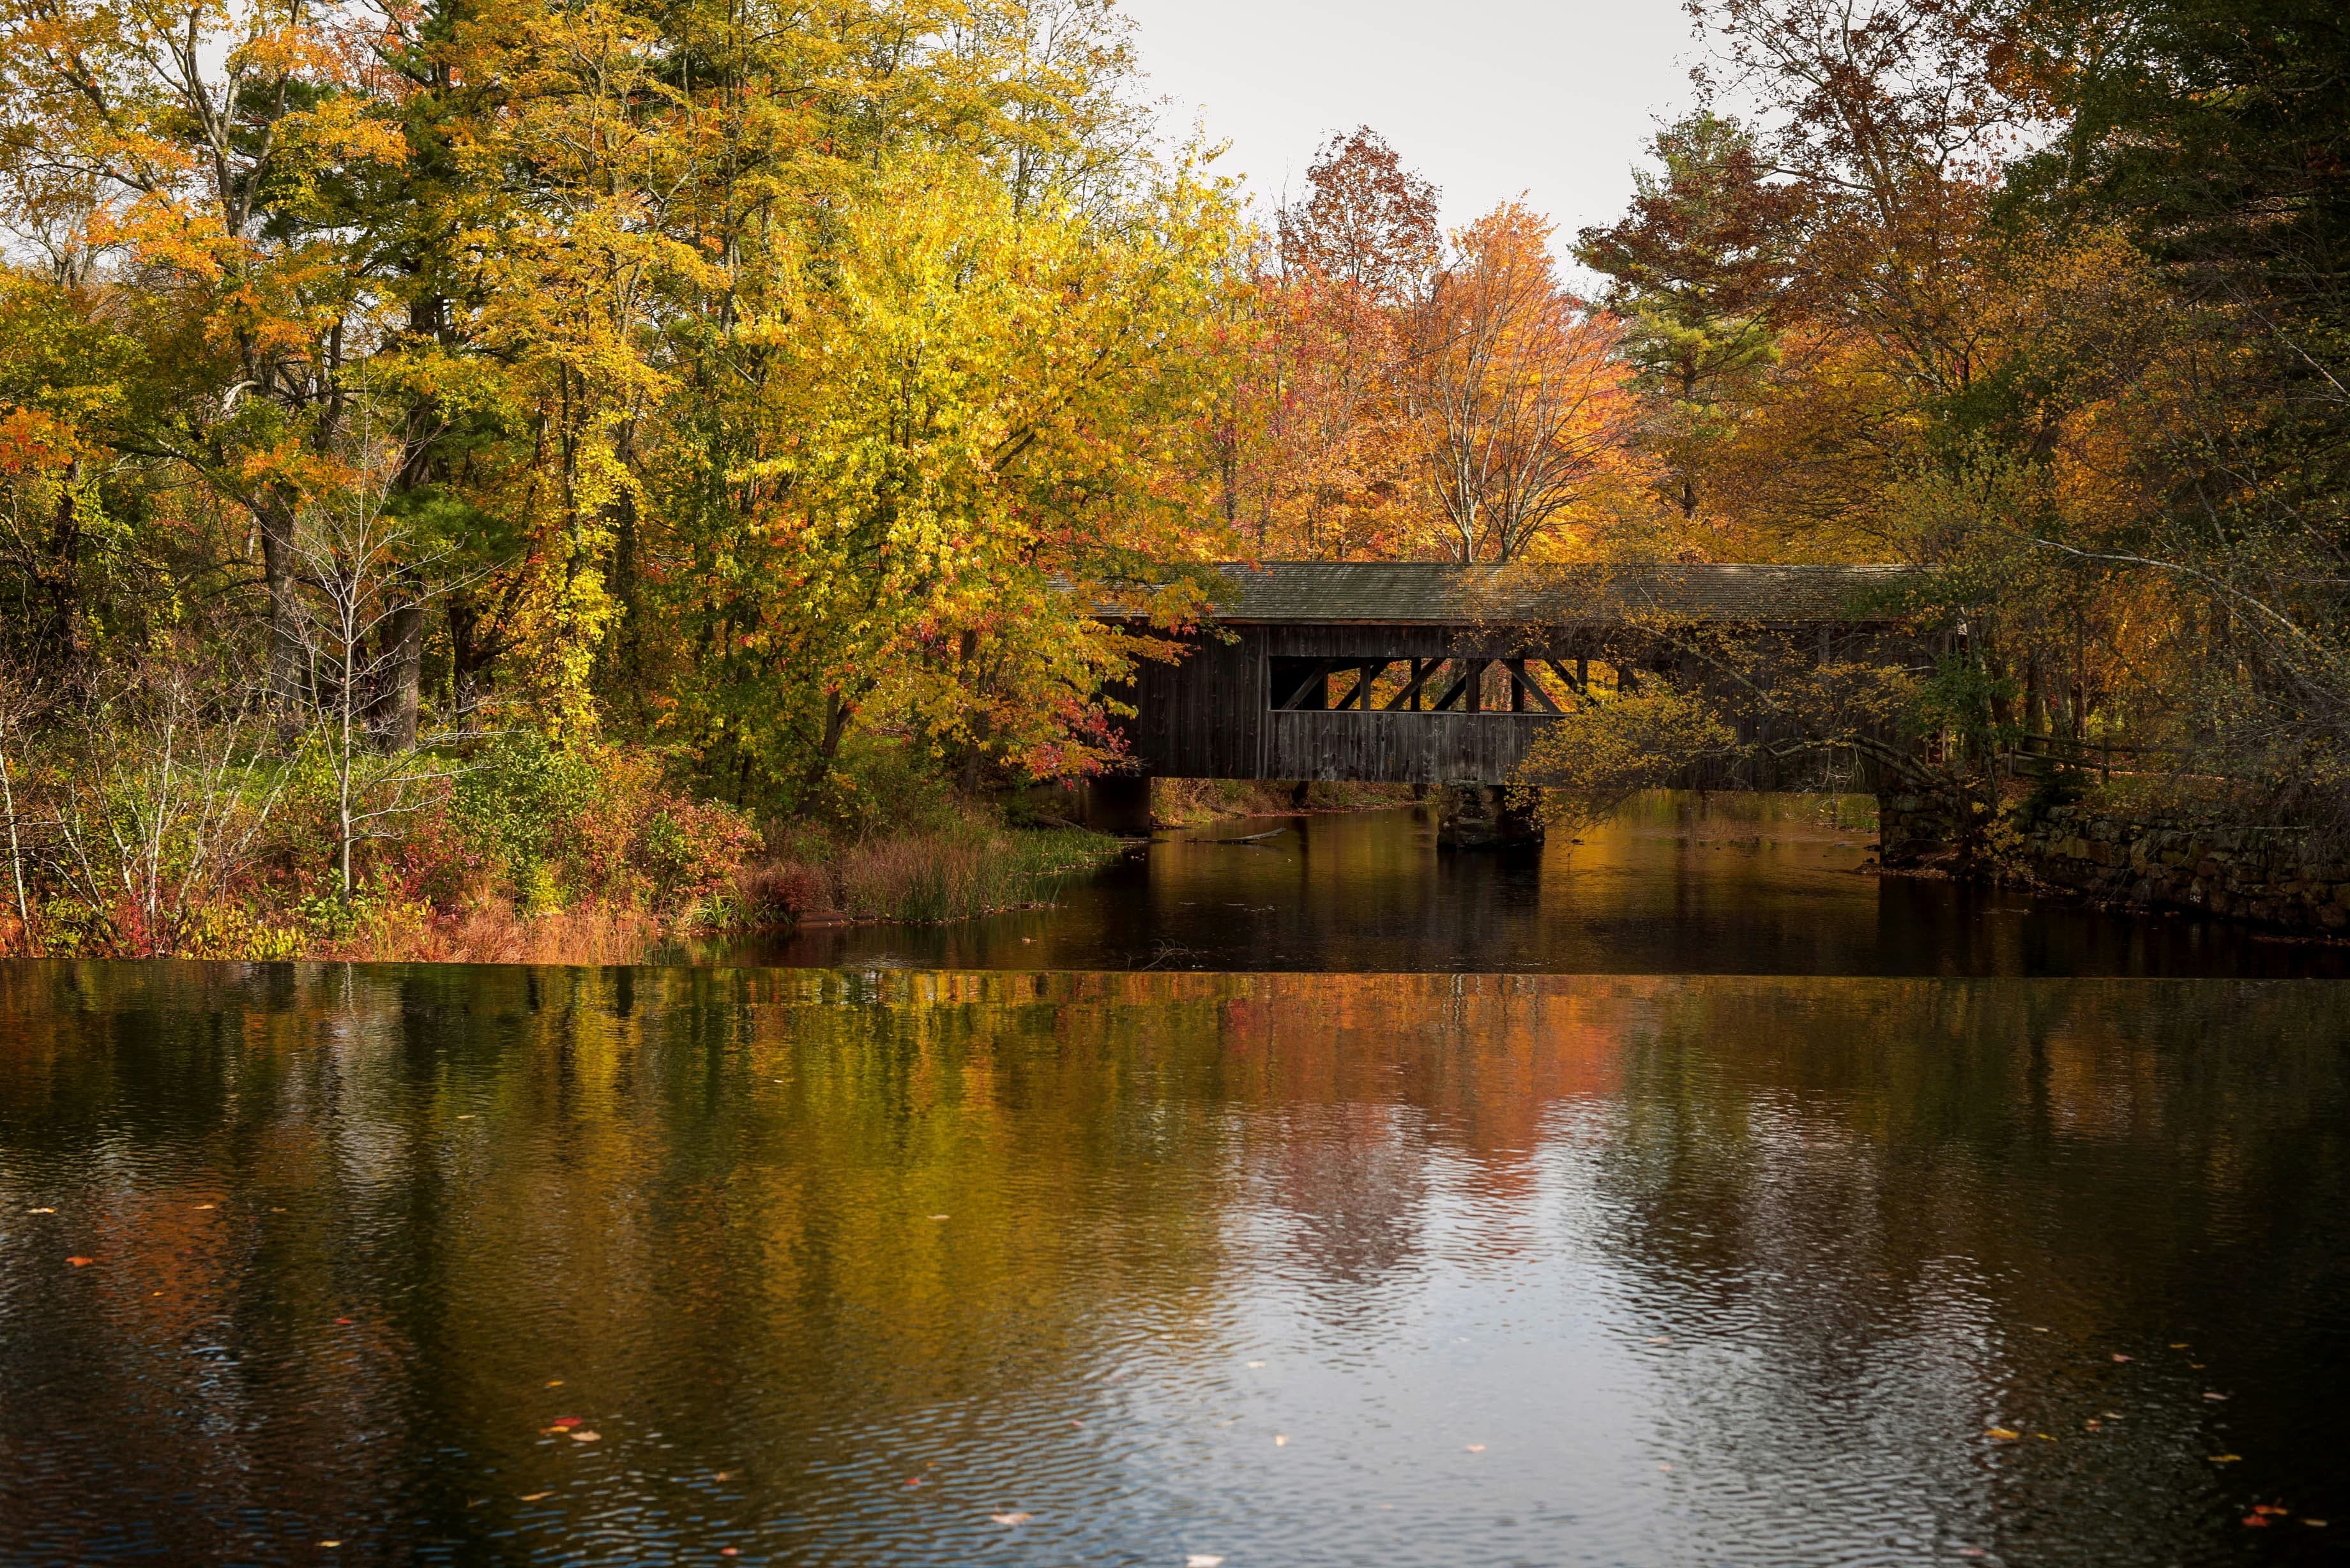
2206, 144
1311, 448
1365, 221
1517, 395
202, 153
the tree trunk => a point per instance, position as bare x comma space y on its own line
469, 658
391, 715
835, 724
60, 647
275, 511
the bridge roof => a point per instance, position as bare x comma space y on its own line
1422, 593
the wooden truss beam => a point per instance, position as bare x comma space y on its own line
1421, 669
1526, 687
1322, 669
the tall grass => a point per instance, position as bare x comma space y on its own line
1187, 802
969, 870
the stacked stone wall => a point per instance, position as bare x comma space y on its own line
1913, 830
2279, 876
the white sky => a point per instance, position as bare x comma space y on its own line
1486, 98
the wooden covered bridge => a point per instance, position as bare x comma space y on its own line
1424, 673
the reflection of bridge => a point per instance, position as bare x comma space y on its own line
1419, 673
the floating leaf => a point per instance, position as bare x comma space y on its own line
2119, 1356
2179, 1344
2226, 1459
331, 1544
2314, 1523
583, 1436
81, 1263
1009, 1519
1281, 1439
2002, 1434
40, 1211
1476, 1448
207, 1205
1204, 1560
2270, 1508
2258, 1519
730, 1552
565, 1423
1661, 1339
555, 1383
2210, 1395
342, 1322
535, 1496
1256, 1364
913, 1480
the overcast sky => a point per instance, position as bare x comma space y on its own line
1486, 98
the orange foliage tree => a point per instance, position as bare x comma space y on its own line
1517, 391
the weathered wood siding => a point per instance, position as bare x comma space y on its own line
1399, 748
1211, 714
1203, 718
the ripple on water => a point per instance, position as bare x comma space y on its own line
1277, 1269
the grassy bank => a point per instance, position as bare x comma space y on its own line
519, 852
1187, 802
975, 868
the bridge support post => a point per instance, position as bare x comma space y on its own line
1480, 816
1119, 804
1913, 829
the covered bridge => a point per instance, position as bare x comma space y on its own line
1424, 673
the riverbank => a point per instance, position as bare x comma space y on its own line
910, 879
520, 853
1192, 803
2286, 879
2130, 847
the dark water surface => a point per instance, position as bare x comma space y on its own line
1677, 884
916, 1268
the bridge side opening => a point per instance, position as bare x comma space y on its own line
1529, 686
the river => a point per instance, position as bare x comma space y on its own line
2037, 1252
1676, 883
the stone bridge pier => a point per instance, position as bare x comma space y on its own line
1483, 816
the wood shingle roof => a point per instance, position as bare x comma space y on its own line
1421, 593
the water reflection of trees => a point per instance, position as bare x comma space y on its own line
703, 1201
1951, 1205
